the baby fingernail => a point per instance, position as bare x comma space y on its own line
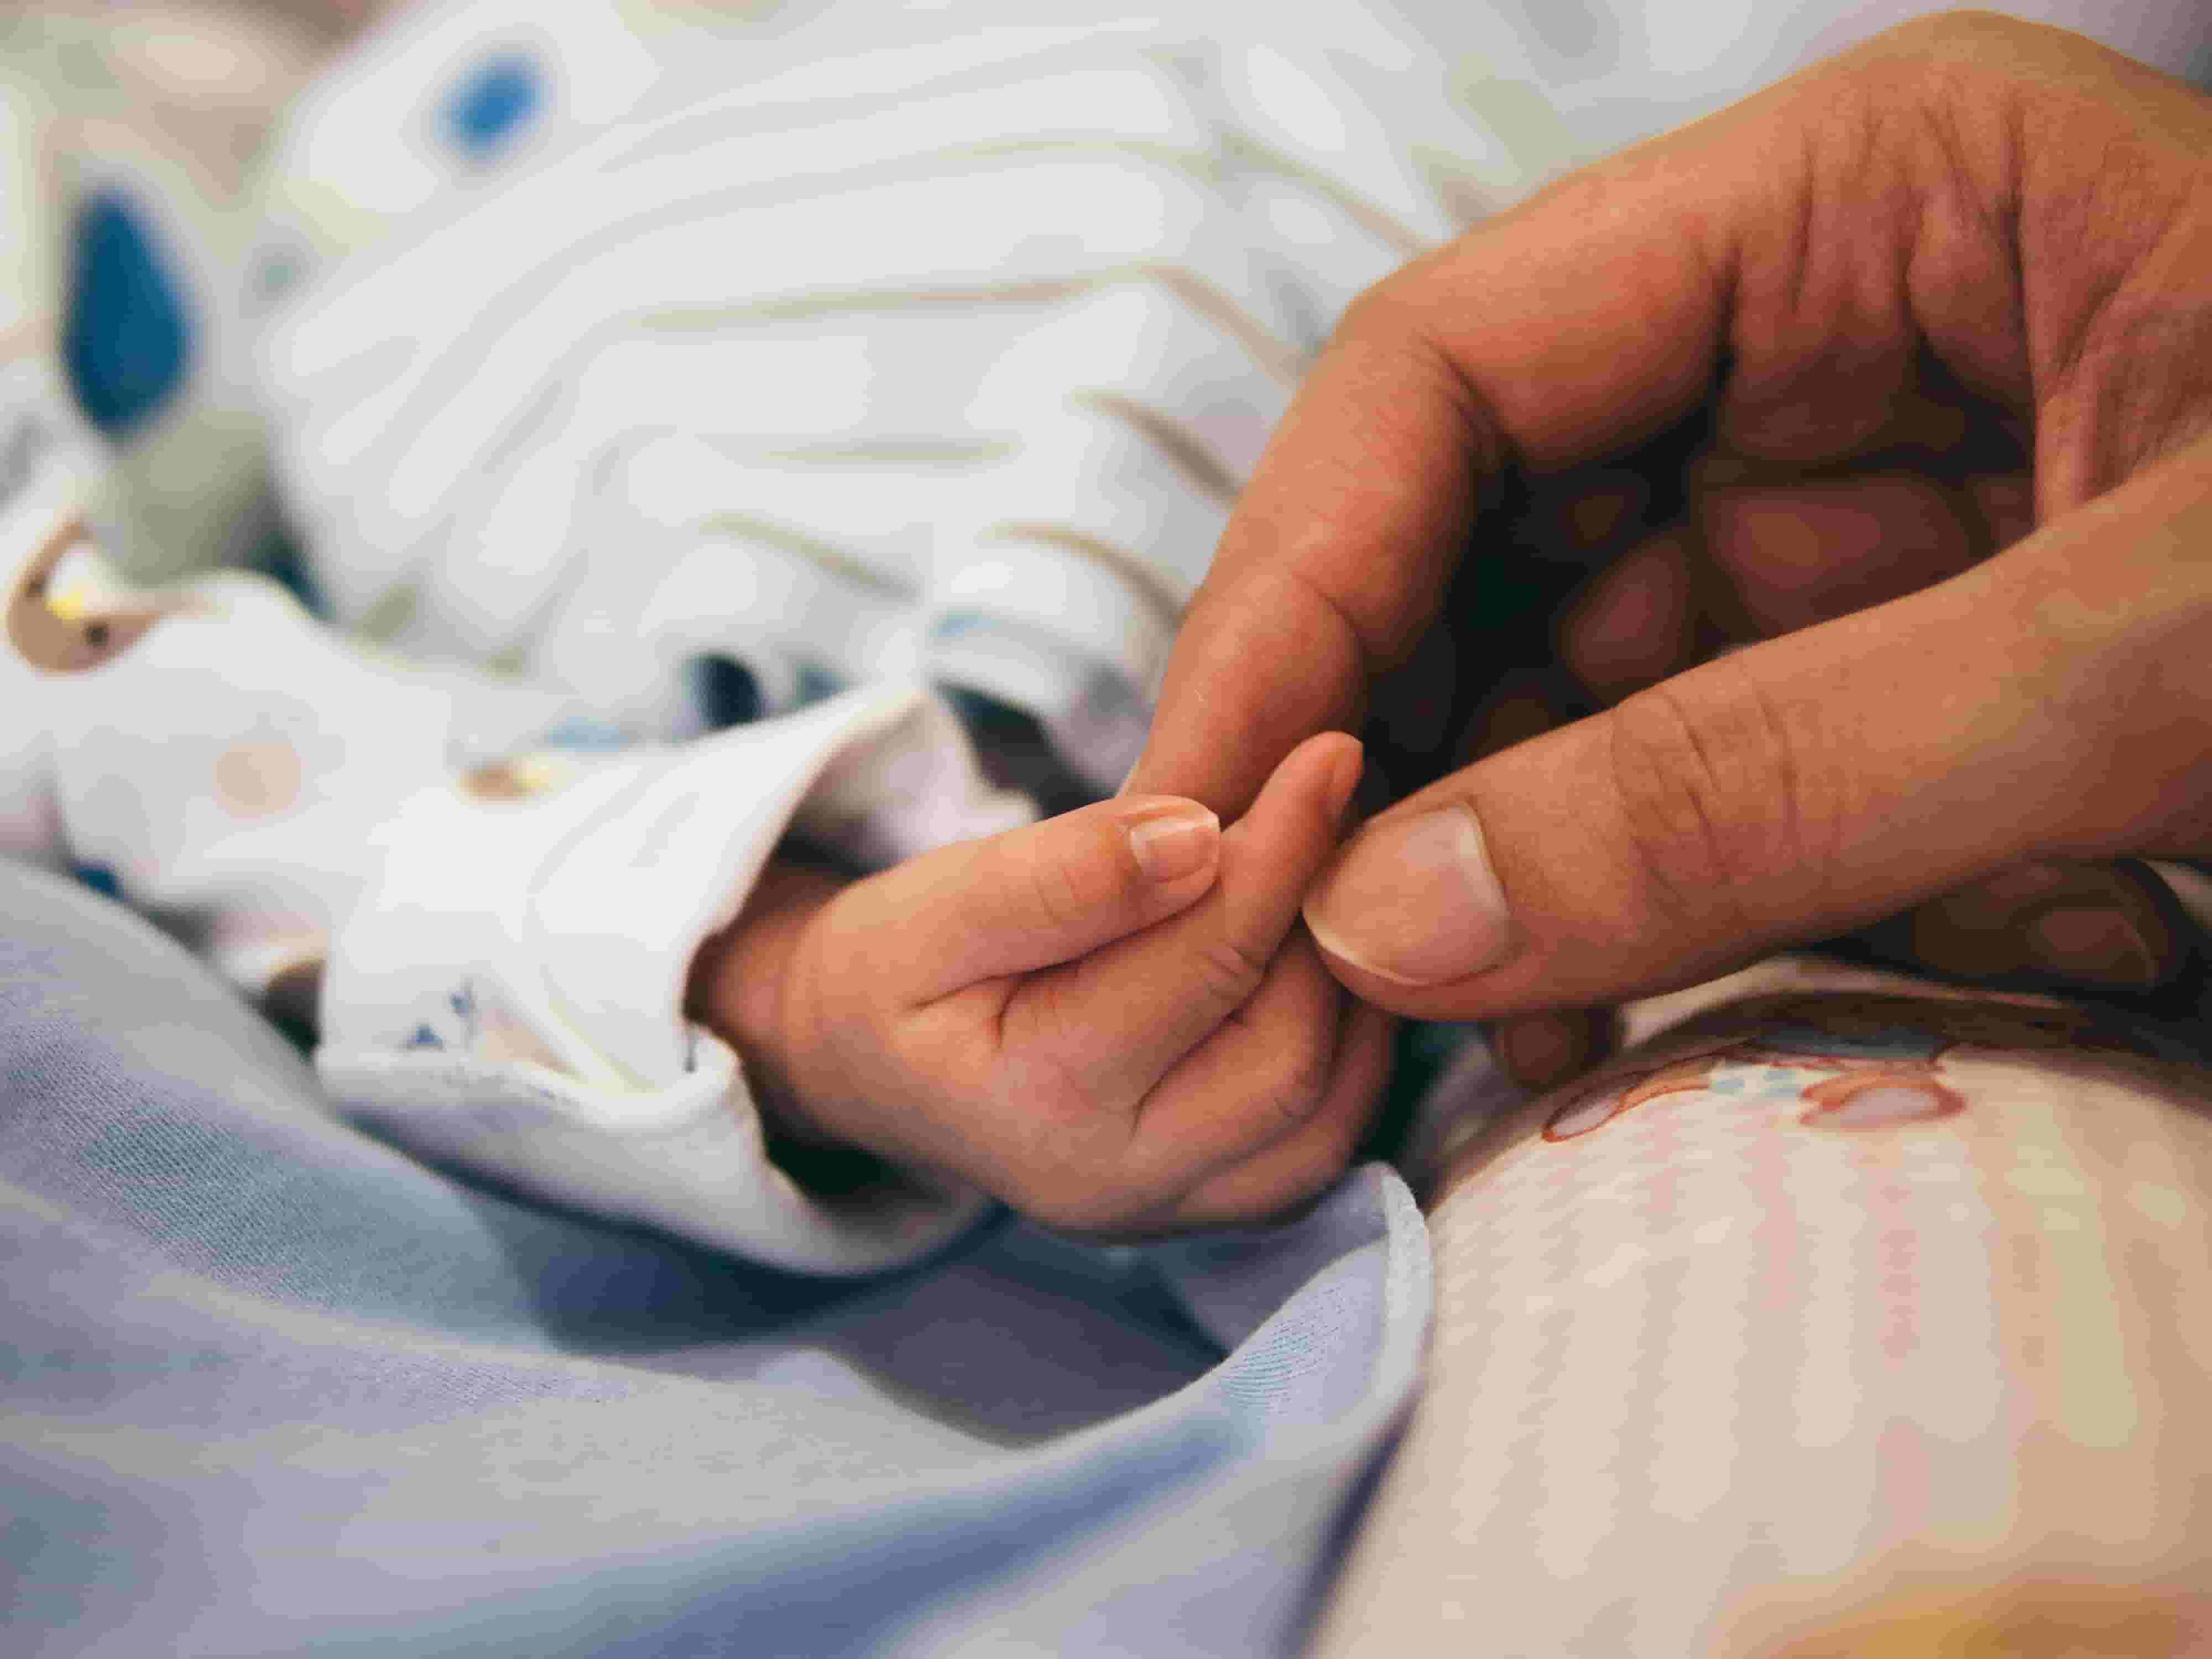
1414, 900
2092, 943
1175, 845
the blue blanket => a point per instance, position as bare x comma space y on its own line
267, 1385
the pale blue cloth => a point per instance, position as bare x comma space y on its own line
269, 1386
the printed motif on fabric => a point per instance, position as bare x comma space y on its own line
1852, 1062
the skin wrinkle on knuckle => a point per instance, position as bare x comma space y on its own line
2104, 245
1708, 789
1813, 282
1962, 292
1334, 609
1229, 973
2077, 342
1486, 439
1055, 886
1803, 222
1978, 166
1051, 1038
1400, 321
1298, 1087
1361, 620
2128, 418
1270, 609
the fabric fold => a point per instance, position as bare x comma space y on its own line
508, 994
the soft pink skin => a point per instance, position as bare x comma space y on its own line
1117, 1032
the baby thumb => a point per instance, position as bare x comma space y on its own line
1790, 791
1030, 898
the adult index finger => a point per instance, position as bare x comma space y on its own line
1593, 316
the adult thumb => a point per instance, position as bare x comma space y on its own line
1804, 786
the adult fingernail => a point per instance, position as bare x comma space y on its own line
2092, 943
1414, 900
1174, 844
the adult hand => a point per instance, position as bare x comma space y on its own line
1949, 293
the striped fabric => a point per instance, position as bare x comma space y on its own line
959, 374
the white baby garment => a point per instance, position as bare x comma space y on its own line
943, 360
502, 910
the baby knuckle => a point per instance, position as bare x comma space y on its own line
1062, 892
1298, 1082
1228, 972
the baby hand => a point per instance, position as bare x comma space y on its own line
1107, 1020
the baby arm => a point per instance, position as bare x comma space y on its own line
1107, 1020
486, 916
